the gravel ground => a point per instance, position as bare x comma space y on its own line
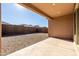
14, 43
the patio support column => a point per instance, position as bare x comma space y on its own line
77, 26
0, 29
61, 27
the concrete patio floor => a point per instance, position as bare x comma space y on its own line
48, 47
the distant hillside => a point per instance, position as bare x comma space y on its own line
25, 25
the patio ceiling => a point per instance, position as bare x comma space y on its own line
50, 10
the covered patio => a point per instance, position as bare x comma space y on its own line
61, 40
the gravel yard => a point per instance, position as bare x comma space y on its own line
14, 43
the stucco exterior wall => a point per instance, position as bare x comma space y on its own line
61, 27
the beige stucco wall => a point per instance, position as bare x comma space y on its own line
61, 27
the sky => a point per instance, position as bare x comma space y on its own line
15, 14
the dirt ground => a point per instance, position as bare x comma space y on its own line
13, 43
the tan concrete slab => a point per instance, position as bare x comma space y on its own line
48, 47
76, 48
